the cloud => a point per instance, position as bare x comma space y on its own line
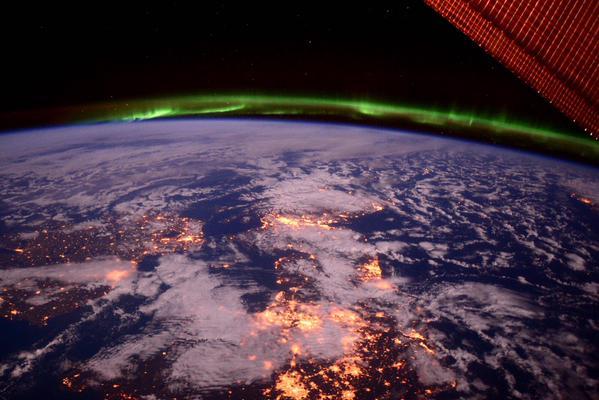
457, 231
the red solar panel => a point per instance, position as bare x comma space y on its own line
553, 45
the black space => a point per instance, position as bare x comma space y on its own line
398, 51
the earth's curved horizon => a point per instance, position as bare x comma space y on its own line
496, 128
248, 259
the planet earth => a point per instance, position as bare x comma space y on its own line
252, 258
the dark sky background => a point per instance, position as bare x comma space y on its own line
398, 51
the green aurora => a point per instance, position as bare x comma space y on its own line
500, 130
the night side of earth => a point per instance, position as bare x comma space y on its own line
254, 258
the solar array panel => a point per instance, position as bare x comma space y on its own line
553, 45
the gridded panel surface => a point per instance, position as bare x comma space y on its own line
552, 45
